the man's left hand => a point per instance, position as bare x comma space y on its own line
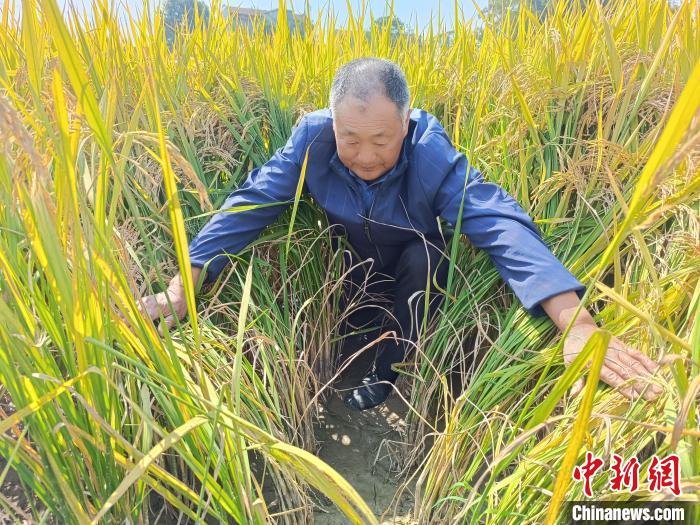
626, 369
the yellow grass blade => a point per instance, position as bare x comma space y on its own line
35, 405
175, 213
297, 196
145, 462
599, 344
33, 47
67, 52
327, 480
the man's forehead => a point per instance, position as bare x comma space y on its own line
344, 130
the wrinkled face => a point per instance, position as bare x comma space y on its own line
369, 135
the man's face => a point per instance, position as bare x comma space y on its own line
369, 135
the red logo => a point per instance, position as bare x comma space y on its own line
586, 471
624, 474
663, 473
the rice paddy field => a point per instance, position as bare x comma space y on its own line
116, 149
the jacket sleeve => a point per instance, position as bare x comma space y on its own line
494, 221
228, 232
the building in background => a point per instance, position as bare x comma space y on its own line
176, 11
246, 16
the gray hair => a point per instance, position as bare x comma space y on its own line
365, 77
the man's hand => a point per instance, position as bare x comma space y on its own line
153, 305
624, 368
622, 363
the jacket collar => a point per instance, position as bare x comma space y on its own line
398, 169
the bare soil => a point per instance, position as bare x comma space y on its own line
365, 446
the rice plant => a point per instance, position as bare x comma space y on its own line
117, 149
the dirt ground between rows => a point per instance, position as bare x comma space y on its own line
364, 446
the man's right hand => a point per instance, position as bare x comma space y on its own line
152, 306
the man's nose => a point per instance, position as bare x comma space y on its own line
365, 157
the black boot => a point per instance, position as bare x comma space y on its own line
373, 391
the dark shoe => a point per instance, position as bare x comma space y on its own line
372, 392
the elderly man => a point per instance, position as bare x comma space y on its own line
384, 174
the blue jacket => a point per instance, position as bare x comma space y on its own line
427, 182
